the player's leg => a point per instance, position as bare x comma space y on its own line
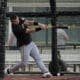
26, 52
36, 55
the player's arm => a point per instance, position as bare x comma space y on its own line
41, 27
30, 23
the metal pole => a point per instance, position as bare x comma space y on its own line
54, 65
2, 37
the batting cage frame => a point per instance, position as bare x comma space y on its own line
52, 14
3, 4
54, 64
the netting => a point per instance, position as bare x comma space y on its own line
39, 10
2, 36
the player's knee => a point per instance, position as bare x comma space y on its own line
24, 64
38, 60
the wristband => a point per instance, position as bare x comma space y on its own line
37, 29
35, 23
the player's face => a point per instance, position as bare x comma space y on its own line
15, 21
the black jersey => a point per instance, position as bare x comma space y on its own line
19, 31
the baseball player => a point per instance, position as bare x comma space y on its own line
26, 45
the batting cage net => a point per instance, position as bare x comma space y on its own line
67, 27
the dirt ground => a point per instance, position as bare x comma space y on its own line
39, 77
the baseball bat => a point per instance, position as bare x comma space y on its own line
64, 27
59, 26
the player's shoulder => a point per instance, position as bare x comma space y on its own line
22, 20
